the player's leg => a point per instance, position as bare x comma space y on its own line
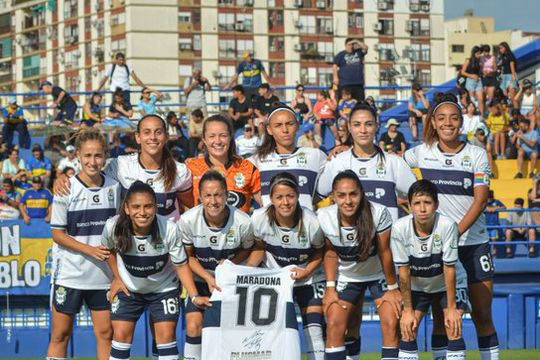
166, 340
101, 319
192, 347
353, 340
408, 347
164, 309
125, 311
65, 303
439, 341
388, 321
456, 344
122, 338
309, 300
337, 316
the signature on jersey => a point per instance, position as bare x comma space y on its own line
254, 341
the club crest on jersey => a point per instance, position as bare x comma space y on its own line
380, 171
301, 159
115, 305
239, 180
437, 243
466, 161
110, 196
60, 295
230, 238
302, 240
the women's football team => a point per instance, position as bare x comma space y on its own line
128, 236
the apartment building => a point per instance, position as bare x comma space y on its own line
70, 41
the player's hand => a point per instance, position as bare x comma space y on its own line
47, 218
61, 186
116, 286
452, 322
100, 252
202, 302
331, 297
26, 219
337, 150
408, 325
393, 298
298, 273
211, 282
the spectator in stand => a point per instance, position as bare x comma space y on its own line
301, 104
343, 132
526, 101
309, 138
21, 182
195, 88
120, 111
67, 107
36, 202
252, 71
9, 200
246, 144
418, 108
371, 102
471, 70
471, 121
393, 141
13, 116
324, 111
177, 139
480, 139
240, 108
348, 69
195, 132
507, 68
346, 104
492, 218
119, 74
92, 113
534, 199
527, 143
519, 218
147, 102
464, 99
39, 166
70, 160
262, 105
12, 165
4, 151
497, 121
488, 64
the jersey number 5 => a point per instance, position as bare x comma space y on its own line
256, 317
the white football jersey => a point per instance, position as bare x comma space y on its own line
304, 163
344, 241
425, 256
382, 179
148, 267
82, 215
211, 245
286, 246
456, 176
127, 169
252, 317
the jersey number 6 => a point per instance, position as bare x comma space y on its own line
256, 316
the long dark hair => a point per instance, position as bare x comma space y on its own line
287, 179
508, 52
168, 164
231, 154
430, 135
474, 62
123, 229
269, 143
364, 106
365, 227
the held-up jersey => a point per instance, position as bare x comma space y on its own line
286, 246
304, 163
382, 179
425, 256
82, 214
456, 176
252, 317
127, 169
148, 268
210, 245
350, 269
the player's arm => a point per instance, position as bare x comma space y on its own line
117, 284
100, 252
408, 322
452, 316
60, 98
185, 199
257, 253
199, 270
186, 278
313, 263
24, 213
330, 266
241, 255
392, 295
476, 209
258, 198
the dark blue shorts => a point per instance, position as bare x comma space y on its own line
354, 291
162, 306
422, 301
69, 301
309, 295
477, 261
202, 290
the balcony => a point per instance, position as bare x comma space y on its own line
30, 72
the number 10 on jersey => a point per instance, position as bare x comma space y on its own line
263, 306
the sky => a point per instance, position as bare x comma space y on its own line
508, 14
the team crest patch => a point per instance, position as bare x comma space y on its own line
230, 238
239, 180
302, 240
60, 295
466, 161
110, 196
301, 159
437, 241
381, 170
115, 304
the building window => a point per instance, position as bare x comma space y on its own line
458, 48
325, 25
242, 45
385, 27
387, 77
184, 17
70, 8
275, 18
424, 76
385, 5
387, 52
225, 2
225, 73
276, 43
185, 44
118, 19
71, 34
356, 20
240, 22
185, 70
5, 47
418, 27
118, 45
196, 16
321, 76
277, 69
420, 52
197, 42
227, 49
31, 66
306, 24
414, 5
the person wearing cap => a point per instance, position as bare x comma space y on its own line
348, 68
252, 71
195, 88
14, 121
526, 101
67, 107
262, 105
527, 144
70, 160
119, 73
418, 107
36, 202
246, 144
39, 165
393, 141
240, 108
309, 138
